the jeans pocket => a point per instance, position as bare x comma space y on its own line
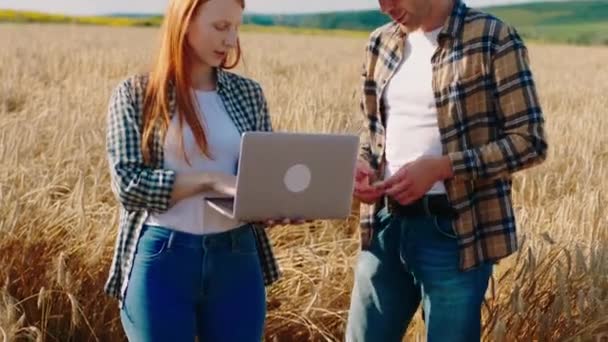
125, 316
152, 244
445, 227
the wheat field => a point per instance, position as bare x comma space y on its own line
58, 216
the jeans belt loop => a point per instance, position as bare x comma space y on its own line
425, 204
171, 240
234, 238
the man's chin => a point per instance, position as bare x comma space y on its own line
408, 27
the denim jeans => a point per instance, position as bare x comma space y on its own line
415, 261
185, 285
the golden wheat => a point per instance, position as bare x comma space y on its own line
58, 216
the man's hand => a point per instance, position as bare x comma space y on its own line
415, 179
365, 190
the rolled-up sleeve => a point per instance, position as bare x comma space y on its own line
518, 108
135, 185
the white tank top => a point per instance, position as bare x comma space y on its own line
412, 129
193, 215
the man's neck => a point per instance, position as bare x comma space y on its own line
440, 11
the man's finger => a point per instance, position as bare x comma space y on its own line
380, 185
402, 172
403, 199
407, 198
361, 176
362, 186
385, 184
364, 170
394, 179
364, 182
398, 189
368, 194
366, 188
368, 199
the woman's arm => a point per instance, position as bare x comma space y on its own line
135, 185
264, 121
187, 185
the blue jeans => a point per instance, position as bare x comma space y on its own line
185, 285
413, 260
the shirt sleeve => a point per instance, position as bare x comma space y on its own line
135, 185
365, 151
523, 142
264, 120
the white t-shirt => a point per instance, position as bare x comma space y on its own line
412, 130
193, 215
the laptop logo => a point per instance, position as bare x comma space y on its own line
297, 178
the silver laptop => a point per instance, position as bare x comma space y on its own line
293, 176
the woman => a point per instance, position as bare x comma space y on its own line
181, 269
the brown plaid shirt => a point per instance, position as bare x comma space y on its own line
490, 122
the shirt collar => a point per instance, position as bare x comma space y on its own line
223, 80
455, 21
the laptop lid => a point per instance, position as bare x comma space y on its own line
296, 176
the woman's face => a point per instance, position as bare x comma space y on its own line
213, 31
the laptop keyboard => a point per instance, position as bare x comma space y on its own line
226, 203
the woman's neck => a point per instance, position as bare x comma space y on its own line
203, 77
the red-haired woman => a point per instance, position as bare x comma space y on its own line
181, 269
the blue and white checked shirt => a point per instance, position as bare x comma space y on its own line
141, 189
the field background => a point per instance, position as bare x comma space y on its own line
580, 22
58, 217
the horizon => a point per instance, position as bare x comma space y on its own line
270, 7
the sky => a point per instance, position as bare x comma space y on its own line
94, 7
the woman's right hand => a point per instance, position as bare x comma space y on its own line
224, 184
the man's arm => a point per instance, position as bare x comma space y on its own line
524, 144
365, 151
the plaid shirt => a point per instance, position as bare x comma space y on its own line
489, 117
141, 189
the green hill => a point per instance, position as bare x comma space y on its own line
360, 20
578, 22
37, 17
583, 22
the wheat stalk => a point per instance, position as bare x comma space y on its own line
58, 216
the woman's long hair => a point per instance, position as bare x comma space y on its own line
170, 74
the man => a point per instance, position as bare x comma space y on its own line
452, 112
